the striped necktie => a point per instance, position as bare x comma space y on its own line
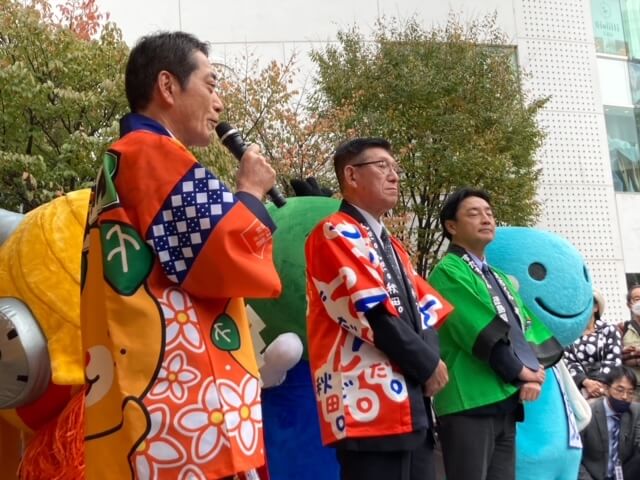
614, 454
390, 254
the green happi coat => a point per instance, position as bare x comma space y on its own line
471, 331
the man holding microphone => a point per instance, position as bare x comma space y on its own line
170, 252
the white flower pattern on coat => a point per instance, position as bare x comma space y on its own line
191, 473
182, 321
243, 416
174, 378
205, 423
157, 450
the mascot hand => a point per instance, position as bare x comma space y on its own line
282, 354
309, 188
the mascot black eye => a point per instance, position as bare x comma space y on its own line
586, 274
537, 271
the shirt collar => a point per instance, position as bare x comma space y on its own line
607, 409
375, 225
480, 263
136, 121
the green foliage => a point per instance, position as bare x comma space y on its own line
61, 94
451, 103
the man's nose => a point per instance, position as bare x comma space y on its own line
393, 174
218, 106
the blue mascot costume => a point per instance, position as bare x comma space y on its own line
556, 286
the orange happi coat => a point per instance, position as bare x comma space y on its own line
360, 391
173, 387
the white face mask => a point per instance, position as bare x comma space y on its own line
635, 309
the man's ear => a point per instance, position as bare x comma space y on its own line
349, 174
166, 85
450, 226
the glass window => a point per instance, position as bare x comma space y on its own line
634, 82
631, 17
623, 148
608, 27
614, 77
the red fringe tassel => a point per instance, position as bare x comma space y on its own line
56, 451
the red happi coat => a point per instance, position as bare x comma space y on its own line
360, 392
173, 386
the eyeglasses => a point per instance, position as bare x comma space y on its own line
622, 391
382, 165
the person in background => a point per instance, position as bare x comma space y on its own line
611, 441
591, 356
631, 334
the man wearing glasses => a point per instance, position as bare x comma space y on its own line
612, 439
371, 327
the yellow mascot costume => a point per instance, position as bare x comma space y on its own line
41, 364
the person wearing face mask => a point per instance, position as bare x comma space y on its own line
631, 334
611, 441
591, 356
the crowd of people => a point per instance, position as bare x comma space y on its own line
387, 348
604, 365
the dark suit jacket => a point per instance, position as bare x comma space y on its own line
595, 439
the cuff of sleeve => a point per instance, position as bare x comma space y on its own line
257, 208
402, 345
495, 331
579, 378
504, 362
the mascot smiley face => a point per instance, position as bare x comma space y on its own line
553, 280
122, 355
119, 365
556, 286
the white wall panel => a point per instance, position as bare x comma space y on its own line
554, 20
574, 148
629, 215
557, 53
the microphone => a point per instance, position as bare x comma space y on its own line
230, 138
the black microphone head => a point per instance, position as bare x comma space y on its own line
231, 138
223, 128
